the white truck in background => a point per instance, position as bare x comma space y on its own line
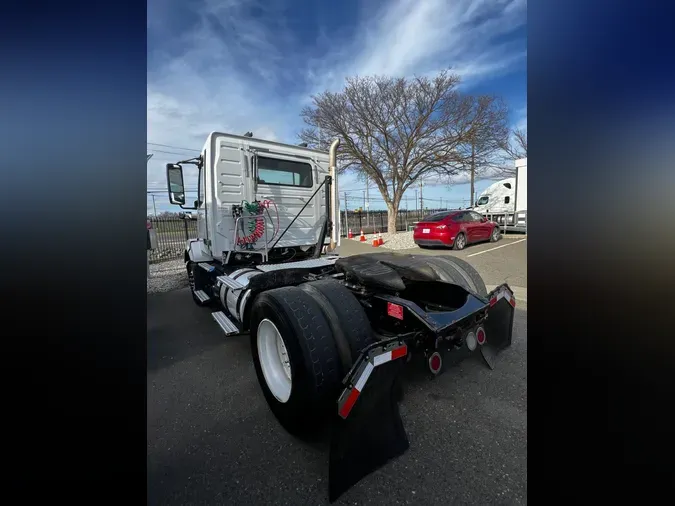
505, 202
499, 197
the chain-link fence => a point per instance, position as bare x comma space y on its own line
171, 234
376, 221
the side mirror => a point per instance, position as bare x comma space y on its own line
483, 219
174, 175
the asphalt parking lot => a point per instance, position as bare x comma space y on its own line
212, 440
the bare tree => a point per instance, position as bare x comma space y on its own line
396, 131
516, 147
499, 164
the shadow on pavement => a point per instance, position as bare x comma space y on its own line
178, 329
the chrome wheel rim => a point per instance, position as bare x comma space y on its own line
274, 361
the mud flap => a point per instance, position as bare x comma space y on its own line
499, 324
368, 430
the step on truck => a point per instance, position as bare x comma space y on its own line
329, 334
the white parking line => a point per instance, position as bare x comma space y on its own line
492, 249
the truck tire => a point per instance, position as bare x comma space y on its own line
288, 326
457, 271
345, 315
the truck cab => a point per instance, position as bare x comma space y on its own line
505, 201
499, 197
257, 197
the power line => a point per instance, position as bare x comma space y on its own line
172, 147
168, 152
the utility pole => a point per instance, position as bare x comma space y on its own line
346, 225
421, 197
154, 208
416, 202
406, 213
473, 170
367, 204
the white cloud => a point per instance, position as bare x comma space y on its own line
240, 67
408, 37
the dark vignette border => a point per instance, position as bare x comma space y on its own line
73, 102
600, 102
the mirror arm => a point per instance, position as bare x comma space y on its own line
192, 161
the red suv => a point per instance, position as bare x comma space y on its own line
456, 229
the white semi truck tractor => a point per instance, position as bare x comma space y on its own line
328, 334
505, 201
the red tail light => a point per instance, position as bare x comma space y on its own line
480, 335
394, 310
435, 363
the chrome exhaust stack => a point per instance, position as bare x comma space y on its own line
334, 207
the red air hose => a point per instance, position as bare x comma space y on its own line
258, 208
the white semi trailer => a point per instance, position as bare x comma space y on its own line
327, 333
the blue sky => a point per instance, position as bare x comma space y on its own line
251, 65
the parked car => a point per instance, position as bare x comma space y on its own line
456, 229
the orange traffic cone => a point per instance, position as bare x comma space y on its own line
380, 240
363, 237
350, 235
376, 242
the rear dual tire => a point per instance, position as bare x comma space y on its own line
300, 324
